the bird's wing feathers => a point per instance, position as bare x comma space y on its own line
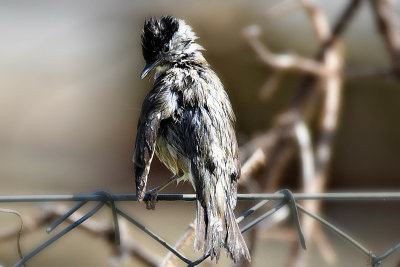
144, 151
157, 106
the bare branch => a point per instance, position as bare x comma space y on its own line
323, 245
388, 26
264, 141
280, 62
270, 85
183, 240
256, 161
304, 90
303, 138
318, 19
331, 84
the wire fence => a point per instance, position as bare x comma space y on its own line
272, 150
284, 197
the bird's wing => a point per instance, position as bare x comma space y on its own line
157, 106
144, 150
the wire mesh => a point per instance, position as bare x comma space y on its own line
284, 197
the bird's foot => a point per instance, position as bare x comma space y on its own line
151, 204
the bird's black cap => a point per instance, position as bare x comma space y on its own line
156, 33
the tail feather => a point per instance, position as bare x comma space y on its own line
215, 230
234, 240
201, 221
216, 225
215, 234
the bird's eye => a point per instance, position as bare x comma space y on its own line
165, 47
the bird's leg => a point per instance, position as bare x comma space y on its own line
151, 204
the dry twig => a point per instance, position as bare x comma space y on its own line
331, 85
282, 61
388, 25
182, 242
327, 59
270, 85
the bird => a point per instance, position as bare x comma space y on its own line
187, 120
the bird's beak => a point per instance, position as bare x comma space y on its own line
149, 67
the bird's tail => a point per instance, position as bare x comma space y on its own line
216, 227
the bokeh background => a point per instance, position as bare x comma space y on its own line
70, 97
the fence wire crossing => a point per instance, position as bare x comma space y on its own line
285, 197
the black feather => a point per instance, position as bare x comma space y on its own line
157, 33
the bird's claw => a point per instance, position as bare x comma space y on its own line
151, 204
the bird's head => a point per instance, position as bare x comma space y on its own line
165, 41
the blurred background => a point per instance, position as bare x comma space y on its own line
70, 97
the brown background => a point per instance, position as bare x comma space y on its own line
70, 96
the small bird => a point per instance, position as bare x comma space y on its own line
188, 122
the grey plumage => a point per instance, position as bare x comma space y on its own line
188, 122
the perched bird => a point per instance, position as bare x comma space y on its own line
188, 121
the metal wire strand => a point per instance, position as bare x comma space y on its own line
57, 236
251, 210
285, 197
110, 201
287, 200
378, 259
153, 235
336, 230
337, 197
21, 226
65, 216
292, 204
